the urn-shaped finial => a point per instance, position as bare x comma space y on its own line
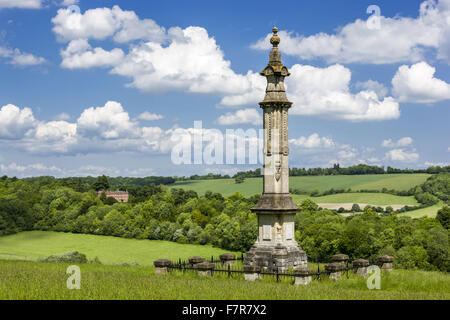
275, 40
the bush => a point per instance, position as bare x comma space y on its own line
69, 257
443, 216
412, 257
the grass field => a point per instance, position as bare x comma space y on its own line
430, 212
321, 183
110, 250
44, 281
381, 199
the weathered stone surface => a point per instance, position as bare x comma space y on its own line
162, 263
276, 257
196, 259
385, 259
227, 257
385, 262
335, 276
161, 271
252, 272
251, 268
361, 271
360, 267
303, 271
340, 258
276, 248
386, 266
280, 202
252, 276
334, 267
204, 266
303, 280
360, 263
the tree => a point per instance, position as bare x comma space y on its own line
443, 216
356, 208
101, 183
239, 179
113, 224
110, 201
412, 257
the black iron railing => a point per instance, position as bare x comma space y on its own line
225, 267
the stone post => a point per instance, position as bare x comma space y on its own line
303, 276
227, 259
335, 270
205, 268
162, 266
360, 267
195, 260
341, 258
252, 272
385, 262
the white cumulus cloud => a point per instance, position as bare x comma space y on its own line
314, 141
402, 155
148, 116
399, 39
19, 58
101, 23
22, 4
244, 116
403, 142
110, 121
325, 92
69, 2
15, 122
80, 55
192, 62
375, 86
418, 84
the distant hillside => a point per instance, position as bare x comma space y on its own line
252, 186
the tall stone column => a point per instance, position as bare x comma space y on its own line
276, 248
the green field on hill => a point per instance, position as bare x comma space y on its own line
381, 199
48, 281
253, 186
110, 250
429, 212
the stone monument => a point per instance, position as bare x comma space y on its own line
276, 248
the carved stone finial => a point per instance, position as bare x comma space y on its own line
275, 40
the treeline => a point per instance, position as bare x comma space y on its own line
434, 189
185, 217
119, 183
359, 169
415, 243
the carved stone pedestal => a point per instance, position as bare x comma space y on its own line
274, 257
276, 248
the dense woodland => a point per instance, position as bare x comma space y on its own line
157, 212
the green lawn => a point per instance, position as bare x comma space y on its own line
430, 212
321, 183
110, 250
381, 199
45, 281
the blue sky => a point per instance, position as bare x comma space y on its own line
100, 87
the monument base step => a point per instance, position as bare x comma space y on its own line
280, 256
